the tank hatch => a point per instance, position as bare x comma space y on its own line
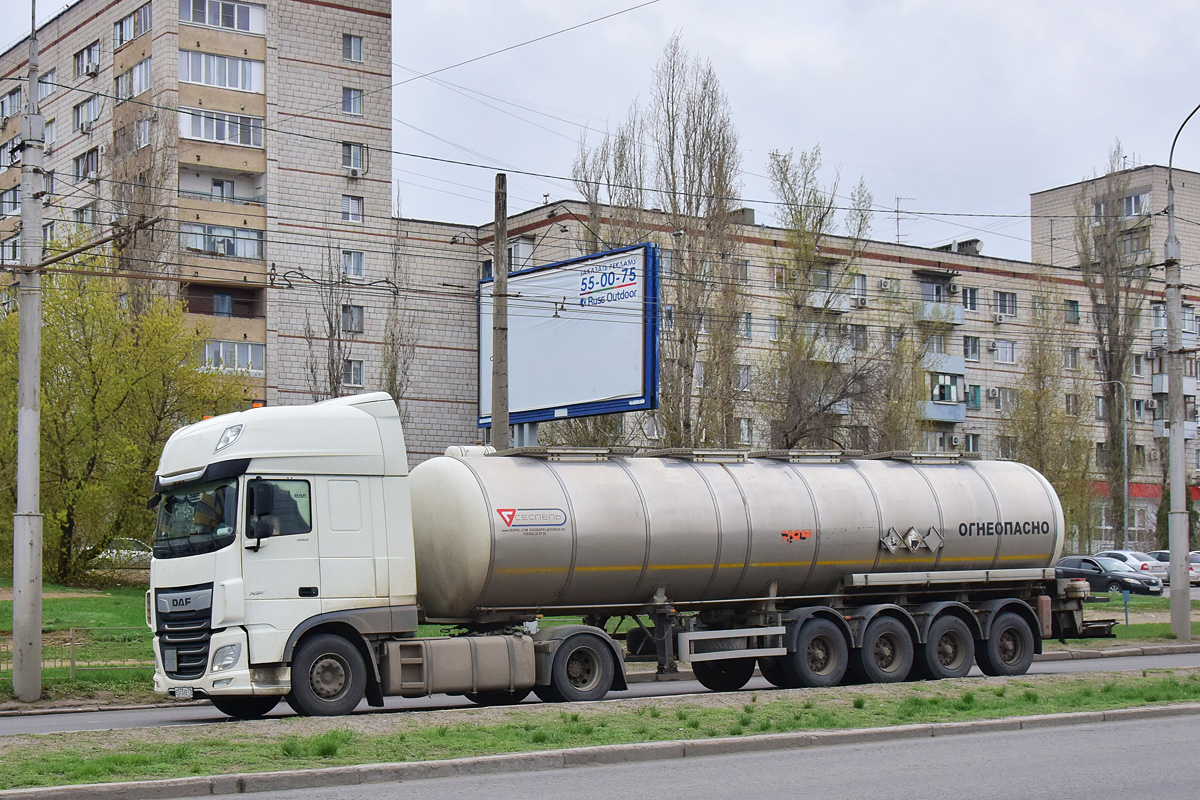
567, 453
806, 456
699, 456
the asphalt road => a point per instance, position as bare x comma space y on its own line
205, 714
1052, 763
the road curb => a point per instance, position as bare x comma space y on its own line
566, 759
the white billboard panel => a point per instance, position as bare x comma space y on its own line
582, 337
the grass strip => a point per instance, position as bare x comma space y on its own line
299, 743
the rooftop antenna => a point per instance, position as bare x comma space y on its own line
900, 216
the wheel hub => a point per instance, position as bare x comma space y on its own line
885, 652
818, 655
327, 677
1009, 647
582, 669
948, 650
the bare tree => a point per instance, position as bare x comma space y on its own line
400, 334
329, 344
1113, 246
612, 178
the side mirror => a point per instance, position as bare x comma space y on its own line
264, 499
263, 528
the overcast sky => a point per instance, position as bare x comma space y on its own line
954, 106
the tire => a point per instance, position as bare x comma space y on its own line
245, 707
727, 675
886, 655
1009, 647
771, 668
583, 670
948, 652
820, 658
329, 677
1114, 588
497, 698
548, 694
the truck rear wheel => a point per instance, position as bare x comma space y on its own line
820, 658
726, 675
1009, 647
771, 668
245, 707
886, 655
497, 698
949, 651
583, 670
329, 677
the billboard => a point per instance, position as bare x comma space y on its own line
582, 337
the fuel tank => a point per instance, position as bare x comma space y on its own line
533, 533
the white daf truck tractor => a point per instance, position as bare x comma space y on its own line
295, 556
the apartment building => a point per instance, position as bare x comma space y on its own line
261, 131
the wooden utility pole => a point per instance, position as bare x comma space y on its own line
500, 426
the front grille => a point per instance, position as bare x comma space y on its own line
183, 635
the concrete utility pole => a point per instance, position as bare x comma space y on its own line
27, 521
1177, 519
500, 427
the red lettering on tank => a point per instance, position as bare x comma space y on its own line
793, 536
507, 514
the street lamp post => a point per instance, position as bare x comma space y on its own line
1177, 519
1124, 455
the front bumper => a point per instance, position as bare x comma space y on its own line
238, 680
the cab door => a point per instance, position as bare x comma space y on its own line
281, 569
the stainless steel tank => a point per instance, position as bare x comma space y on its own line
533, 533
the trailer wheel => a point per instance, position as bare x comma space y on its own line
1008, 649
726, 675
582, 670
245, 707
771, 668
497, 698
886, 655
329, 677
820, 658
949, 651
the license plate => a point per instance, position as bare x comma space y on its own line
183, 693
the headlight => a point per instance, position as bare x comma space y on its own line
1134, 581
226, 657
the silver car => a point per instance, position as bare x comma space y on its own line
1193, 563
1142, 562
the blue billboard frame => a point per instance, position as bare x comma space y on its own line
647, 400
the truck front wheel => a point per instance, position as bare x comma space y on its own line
583, 670
245, 707
329, 677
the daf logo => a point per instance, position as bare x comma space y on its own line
181, 602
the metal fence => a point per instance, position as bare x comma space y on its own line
80, 649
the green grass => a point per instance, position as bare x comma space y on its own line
84, 757
111, 608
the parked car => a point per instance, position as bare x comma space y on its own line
125, 553
1108, 575
1140, 561
1193, 563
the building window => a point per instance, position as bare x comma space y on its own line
351, 47
352, 372
776, 329
352, 101
352, 208
220, 127
352, 319
666, 260
741, 270
47, 233
1005, 303
936, 344
858, 338
10, 250
242, 17
1101, 454
745, 431
933, 292
972, 443
859, 286
352, 263
10, 202
779, 273
47, 84
133, 81
352, 155
1101, 407
1006, 351
974, 397
1006, 398
1139, 410
221, 241
743, 377
1139, 456
701, 374
87, 166
944, 388
894, 337
745, 325
225, 356
1071, 312
222, 305
1135, 244
87, 60
86, 113
971, 348
85, 215
1070, 358
1135, 205
1139, 364
129, 28
1006, 447
970, 297
224, 72
1072, 403
51, 132
10, 104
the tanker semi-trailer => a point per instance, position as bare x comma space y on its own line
295, 557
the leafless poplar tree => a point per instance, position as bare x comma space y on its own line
400, 334
329, 345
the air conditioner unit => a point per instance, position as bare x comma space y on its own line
47, 199
998, 318
954, 288
993, 345
860, 302
85, 126
48, 150
92, 178
354, 172
1153, 353
886, 284
1151, 404
993, 393
1094, 352
1153, 455
91, 70
955, 440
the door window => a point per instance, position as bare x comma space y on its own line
285, 507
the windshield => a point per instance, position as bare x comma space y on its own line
1113, 565
195, 519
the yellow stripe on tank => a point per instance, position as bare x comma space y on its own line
758, 565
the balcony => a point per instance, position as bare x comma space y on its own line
1159, 385
1158, 339
944, 362
1162, 429
944, 412
829, 352
832, 302
938, 313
